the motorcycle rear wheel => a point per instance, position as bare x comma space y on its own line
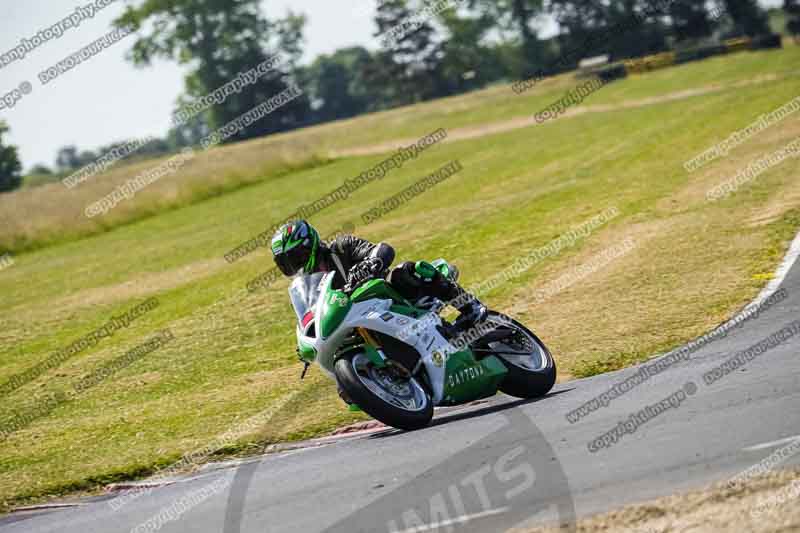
531, 375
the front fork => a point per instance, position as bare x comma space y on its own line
375, 353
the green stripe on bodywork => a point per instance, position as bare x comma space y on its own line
307, 352
373, 355
378, 288
335, 308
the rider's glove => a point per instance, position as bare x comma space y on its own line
369, 268
374, 265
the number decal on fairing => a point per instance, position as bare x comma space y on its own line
338, 299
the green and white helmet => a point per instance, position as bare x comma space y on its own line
295, 248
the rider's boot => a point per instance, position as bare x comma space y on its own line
471, 311
422, 279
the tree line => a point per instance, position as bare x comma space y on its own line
427, 50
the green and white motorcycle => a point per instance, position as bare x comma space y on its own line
397, 361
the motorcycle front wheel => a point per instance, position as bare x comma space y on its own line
387, 397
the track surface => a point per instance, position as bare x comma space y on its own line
374, 480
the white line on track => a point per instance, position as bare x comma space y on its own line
460, 520
783, 270
775, 283
772, 444
47, 507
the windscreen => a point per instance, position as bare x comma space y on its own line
304, 293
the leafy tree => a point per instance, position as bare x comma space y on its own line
522, 13
407, 64
636, 28
10, 166
619, 28
467, 64
154, 148
792, 9
40, 169
748, 17
86, 157
519, 16
188, 133
585, 30
219, 39
67, 158
690, 20
337, 84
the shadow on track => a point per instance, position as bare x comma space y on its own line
483, 411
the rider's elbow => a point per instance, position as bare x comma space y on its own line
385, 252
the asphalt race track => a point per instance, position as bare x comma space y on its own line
501, 463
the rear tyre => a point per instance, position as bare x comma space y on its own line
398, 402
531, 374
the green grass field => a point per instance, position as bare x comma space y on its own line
693, 265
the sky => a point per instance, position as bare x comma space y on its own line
106, 98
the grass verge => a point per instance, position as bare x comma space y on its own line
693, 264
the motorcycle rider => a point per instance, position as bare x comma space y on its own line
297, 248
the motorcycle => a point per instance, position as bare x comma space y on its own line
396, 361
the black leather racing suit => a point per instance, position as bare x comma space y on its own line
342, 254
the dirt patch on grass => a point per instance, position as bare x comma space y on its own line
726, 168
662, 284
144, 285
780, 205
768, 504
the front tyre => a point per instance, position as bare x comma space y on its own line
531, 367
396, 401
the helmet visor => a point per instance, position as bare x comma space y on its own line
293, 261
